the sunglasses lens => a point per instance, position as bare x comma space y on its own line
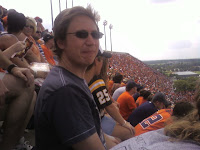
97, 35
82, 34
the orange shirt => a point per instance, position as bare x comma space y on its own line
154, 122
48, 54
110, 84
35, 48
140, 101
1, 70
127, 104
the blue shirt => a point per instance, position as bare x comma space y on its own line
140, 113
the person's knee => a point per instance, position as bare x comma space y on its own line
16, 86
122, 132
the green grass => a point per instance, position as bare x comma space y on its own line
198, 72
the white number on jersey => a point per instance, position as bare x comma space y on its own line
101, 95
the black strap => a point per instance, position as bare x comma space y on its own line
9, 69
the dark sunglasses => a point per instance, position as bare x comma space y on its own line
29, 26
38, 32
84, 34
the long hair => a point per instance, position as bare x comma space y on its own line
104, 69
187, 128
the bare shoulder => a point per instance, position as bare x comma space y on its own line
7, 40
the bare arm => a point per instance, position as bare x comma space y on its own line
4, 61
114, 113
17, 47
31, 57
93, 142
22, 73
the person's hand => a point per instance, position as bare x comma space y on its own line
41, 74
19, 46
3, 91
25, 74
130, 127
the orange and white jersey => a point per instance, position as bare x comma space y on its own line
154, 122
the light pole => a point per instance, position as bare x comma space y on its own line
110, 27
51, 12
72, 3
105, 23
66, 4
59, 6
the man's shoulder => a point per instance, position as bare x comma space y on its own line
61, 76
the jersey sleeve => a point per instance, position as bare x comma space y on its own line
100, 93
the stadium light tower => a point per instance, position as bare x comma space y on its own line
105, 23
51, 12
110, 27
59, 6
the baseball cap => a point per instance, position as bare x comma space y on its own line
104, 53
131, 84
161, 98
47, 37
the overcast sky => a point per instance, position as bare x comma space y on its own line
146, 29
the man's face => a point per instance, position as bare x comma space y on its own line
80, 51
37, 34
160, 105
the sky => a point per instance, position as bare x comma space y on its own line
146, 29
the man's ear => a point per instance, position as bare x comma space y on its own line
61, 44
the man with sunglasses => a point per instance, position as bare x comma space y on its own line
36, 37
66, 116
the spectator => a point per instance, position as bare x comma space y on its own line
180, 134
148, 108
118, 92
17, 100
37, 37
39, 23
137, 94
126, 100
95, 75
34, 54
47, 48
117, 79
159, 119
72, 122
144, 94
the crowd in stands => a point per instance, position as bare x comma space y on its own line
25, 43
132, 68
